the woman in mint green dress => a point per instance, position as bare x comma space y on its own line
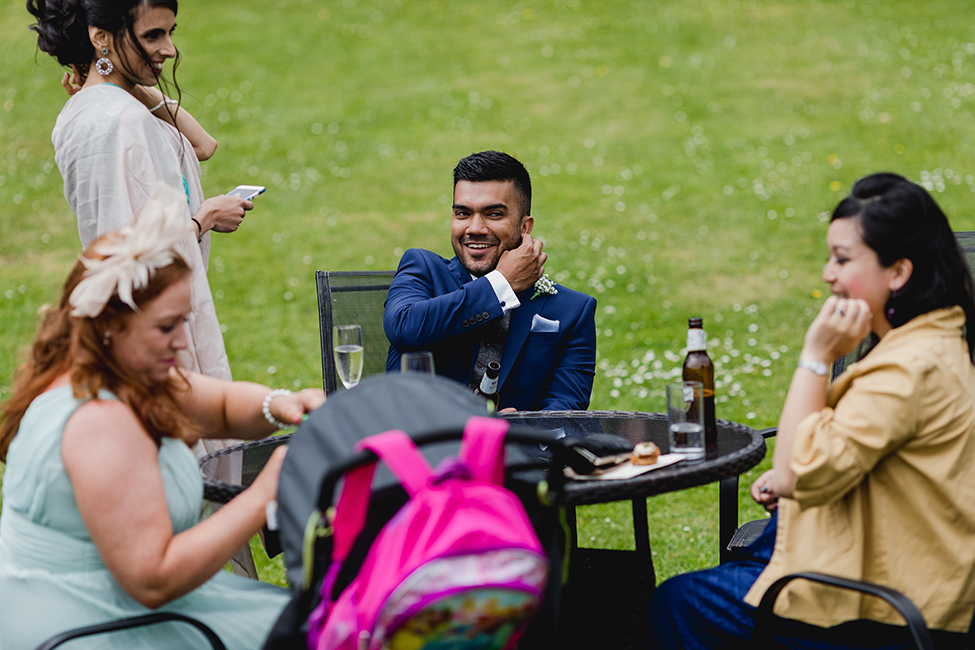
101, 493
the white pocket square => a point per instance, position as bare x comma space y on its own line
540, 324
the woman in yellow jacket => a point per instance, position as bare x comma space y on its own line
873, 477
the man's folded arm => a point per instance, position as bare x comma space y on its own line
414, 317
571, 387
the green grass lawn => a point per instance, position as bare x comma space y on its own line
685, 155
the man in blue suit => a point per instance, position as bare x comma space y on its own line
464, 308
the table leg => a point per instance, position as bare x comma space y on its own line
605, 602
641, 530
727, 516
573, 531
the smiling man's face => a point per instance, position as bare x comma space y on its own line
487, 220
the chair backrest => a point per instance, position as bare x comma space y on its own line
347, 298
966, 241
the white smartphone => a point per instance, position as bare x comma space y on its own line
247, 192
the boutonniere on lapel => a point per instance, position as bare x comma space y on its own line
544, 285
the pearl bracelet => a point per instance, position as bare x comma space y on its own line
162, 103
266, 408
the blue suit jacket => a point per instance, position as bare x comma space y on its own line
434, 305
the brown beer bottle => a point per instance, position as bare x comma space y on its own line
698, 367
489, 384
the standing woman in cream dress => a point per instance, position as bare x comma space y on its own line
118, 135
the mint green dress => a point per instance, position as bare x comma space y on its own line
52, 578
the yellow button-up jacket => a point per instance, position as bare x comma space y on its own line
885, 484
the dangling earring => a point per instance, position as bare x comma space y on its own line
106, 339
104, 65
891, 307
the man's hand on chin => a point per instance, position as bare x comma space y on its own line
522, 266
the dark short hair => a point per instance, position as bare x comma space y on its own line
496, 166
899, 219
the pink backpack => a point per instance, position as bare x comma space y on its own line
459, 566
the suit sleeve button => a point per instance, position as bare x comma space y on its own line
466, 323
486, 315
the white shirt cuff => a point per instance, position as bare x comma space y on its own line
504, 292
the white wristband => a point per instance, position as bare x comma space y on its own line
815, 367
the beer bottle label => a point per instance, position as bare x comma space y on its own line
489, 386
696, 340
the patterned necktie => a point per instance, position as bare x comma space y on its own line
492, 347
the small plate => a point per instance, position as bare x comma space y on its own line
625, 470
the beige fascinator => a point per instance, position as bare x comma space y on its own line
132, 256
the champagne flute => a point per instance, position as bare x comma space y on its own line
347, 343
417, 362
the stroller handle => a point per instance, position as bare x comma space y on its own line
514, 434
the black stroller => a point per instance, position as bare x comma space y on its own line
433, 411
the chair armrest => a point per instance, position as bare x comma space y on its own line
127, 623
728, 511
747, 533
763, 636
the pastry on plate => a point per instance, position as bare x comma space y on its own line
645, 453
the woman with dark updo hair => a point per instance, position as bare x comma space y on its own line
118, 135
872, 476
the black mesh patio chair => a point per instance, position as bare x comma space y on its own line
353, 298
129, 623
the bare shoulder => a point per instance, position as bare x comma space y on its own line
106, 429
99, 412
